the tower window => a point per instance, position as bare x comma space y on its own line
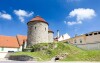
45, 29
35, 28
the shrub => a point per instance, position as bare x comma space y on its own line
48, 52
27, 50
39, 47
36, 47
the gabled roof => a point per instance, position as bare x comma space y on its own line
38, 19
11, 41
21, 38
7, 41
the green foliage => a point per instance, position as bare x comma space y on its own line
48, 51
42, 46
27, 50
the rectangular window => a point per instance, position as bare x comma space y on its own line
90, 34
2, 49
98, 32
75, 41
95, 33
86, 34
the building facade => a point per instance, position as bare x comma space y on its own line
86, 41
38, 31
9, 44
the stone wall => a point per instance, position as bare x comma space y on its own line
77, 40
37, 32
90, 46
93, 38
50, 37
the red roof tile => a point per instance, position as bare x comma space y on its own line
39, 19
11, 42
7, 41
21, 39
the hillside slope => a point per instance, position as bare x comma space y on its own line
74, 53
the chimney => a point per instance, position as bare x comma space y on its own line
57, 33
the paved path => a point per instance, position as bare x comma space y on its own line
43, 62
5, 60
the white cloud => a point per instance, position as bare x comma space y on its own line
73, 23
22, 14
65, 22
81, 14
4, 15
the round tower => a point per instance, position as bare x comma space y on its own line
37, 31
50, 36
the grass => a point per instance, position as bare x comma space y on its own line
74, 53
84, 56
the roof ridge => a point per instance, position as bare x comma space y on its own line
7, 36
18, 40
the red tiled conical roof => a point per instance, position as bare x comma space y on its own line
38, 19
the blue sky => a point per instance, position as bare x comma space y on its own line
68, 16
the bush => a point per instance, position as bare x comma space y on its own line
48, 52
35, 47
27, 50
39, 47
21, 58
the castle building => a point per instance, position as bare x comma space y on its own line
50, 36
38, 31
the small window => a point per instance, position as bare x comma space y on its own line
86, 34
35, 28
45, 29
90, 34
80, 41
2, 49
75, 41
95, 33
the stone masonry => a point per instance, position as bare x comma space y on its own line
38, 31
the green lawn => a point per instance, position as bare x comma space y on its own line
74, 53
